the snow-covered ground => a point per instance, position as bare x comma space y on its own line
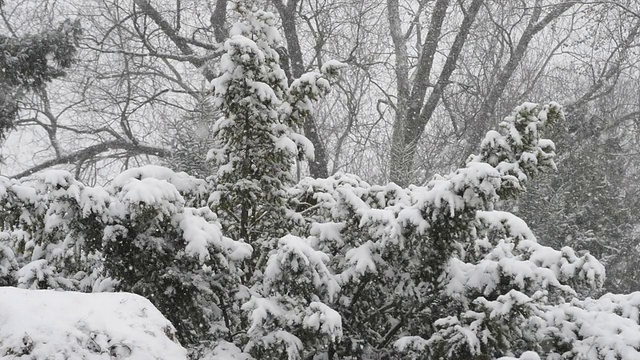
45, 324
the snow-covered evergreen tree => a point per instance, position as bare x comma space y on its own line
259, 145
459, 279
160, 244
258, 131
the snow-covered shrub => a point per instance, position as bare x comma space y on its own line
51, 231
138, 235
436, 271
289, 316
157, 246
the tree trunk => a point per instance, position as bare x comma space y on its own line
218, 18
411, 116
317, 166
397, 167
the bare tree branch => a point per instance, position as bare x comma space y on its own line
148, 9
318, 166
94, 150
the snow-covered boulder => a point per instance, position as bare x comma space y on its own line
46, 324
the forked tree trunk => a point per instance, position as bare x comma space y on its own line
411, 116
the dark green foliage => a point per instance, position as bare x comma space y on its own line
28, 62
31, 61
589, 204
152, 267
138, 236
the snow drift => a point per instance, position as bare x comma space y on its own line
46, 324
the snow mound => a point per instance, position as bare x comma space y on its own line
46, 324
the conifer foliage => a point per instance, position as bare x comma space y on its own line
28, 62
138, 235
252, 265
259, 144
258, 130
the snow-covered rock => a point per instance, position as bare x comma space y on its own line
46, 324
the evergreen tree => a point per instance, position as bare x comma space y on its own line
584, 205
427, 248
50, 229
29, 62
160, 243
259, 143
257, 133
190, 139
